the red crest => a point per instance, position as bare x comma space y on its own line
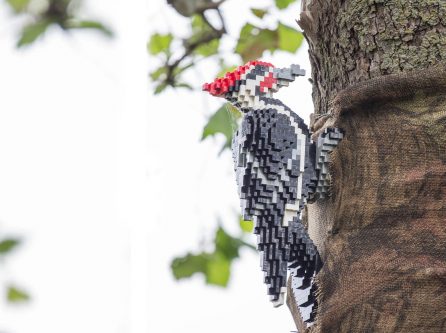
221, 86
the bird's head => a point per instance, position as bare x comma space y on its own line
244, 86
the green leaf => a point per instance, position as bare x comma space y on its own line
226, 244
16, 295
208, 49
7, 245
158, 73
185, 267
32, 32
254, 41
73, 24
180, 69
246, 226
198, 25
218, 270
200, 29
215, 267
282, 4
289, 38
18, 5
260, 13
159, 43
159, 88
224, 121
183, 85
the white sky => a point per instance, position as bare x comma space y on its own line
107, 183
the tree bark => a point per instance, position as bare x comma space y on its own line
378, 73
355, 40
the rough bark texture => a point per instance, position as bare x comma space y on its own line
355, 40
383, 232
378, 71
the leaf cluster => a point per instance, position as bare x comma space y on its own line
203, 41
14, 294
216, 265
42, 14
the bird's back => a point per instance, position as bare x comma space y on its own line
275, 175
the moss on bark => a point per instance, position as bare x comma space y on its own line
352, 41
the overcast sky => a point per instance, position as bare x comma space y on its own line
107, 183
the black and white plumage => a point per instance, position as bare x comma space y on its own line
278, 170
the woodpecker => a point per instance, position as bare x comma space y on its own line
279, 169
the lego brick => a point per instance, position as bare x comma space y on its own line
278, 169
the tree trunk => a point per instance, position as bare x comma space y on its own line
377, 70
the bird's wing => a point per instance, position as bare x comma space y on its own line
271, 156
326, 143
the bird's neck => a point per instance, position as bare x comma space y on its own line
261, 103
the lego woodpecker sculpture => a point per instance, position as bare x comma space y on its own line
279, 169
